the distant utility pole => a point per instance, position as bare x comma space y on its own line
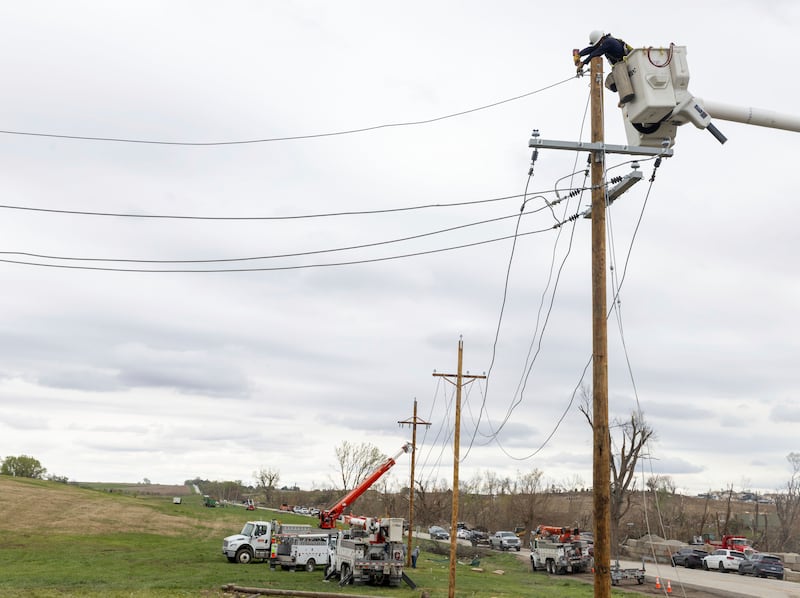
451, 592
413, 422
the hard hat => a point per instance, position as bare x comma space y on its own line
595, 36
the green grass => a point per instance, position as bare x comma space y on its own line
38, 561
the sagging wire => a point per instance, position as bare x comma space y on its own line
534, 157
528, 368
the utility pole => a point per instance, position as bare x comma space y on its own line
451, 591
601, 440
413, 422
601, 490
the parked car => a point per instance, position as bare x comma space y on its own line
463, 533
689, 557
505, 541
762, 565
723, 559
438, 533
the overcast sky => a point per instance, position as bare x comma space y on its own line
120, 376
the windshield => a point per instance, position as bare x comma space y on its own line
247, 530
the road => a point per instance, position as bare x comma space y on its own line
722, 584
697, 583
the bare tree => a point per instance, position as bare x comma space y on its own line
267, 479
787, 503
433, 501
726, 521
528, 499
356, 462
634, 433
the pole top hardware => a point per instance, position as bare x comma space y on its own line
636, 150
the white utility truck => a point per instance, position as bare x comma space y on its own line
370, 552
255, 540
560, 557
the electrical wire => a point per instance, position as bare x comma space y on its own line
288, 137
515, 402
275, 268
261, 257
247, 218
502, 311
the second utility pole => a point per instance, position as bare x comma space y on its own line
413, 422
451, 589
601, 489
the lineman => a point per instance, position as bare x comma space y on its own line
615, 50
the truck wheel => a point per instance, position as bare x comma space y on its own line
311, 564
243, 557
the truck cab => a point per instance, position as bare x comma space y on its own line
253, 542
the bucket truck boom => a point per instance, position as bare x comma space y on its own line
328, 517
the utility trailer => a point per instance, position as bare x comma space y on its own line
619, 574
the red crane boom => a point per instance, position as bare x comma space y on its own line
328, 517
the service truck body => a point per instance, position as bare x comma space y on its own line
255, 540
560, 557
301, 551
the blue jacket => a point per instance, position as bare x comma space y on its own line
612, 48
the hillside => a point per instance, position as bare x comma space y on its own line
29, 505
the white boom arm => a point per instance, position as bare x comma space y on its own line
752, 116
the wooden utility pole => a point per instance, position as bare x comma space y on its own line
414, 422
601, 490
451, 591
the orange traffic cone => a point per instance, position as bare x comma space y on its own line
658, 583
669, 587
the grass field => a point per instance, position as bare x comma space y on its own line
58, 540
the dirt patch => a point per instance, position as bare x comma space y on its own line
27, 503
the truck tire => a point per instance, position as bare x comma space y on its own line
344, 575
311, 564
244, 557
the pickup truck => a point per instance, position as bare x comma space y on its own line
505, 541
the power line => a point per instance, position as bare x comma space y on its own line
286, 138
289, 217
263, 257
272, 268
518, 392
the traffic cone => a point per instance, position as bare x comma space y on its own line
658, 583
669, 587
